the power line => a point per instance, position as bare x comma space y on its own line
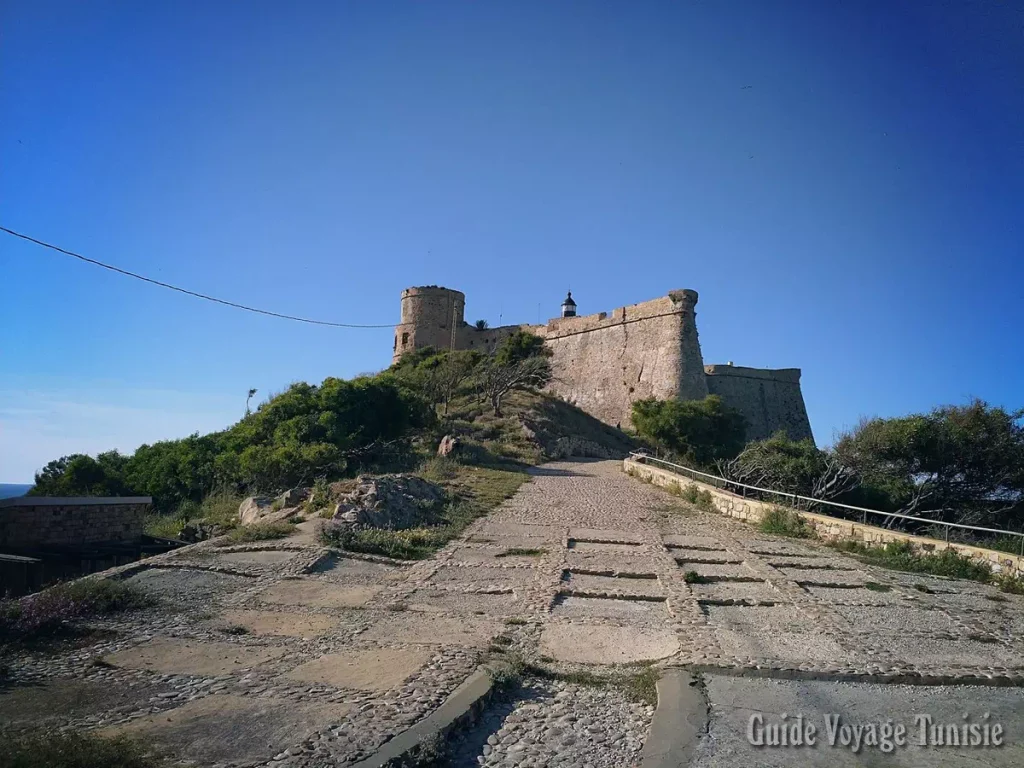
186, 291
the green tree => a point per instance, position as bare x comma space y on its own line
698, 431
792, 466
520, 345
957, 463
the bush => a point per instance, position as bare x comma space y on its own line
699, 497
408, 544
785, 522
302, 433
75, 750
260, 532
698, 431
47, 611
903, 556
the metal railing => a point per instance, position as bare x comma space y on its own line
811, 504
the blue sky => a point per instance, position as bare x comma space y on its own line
843, 183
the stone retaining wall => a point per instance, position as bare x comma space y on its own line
31, 522
828, 528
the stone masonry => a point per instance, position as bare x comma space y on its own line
31, 522
605, 361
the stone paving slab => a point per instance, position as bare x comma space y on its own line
631, 611
489, 576
278, 623
604, 644
193, 657
604, 534
366, 669
499, 555
576, 582
692, 542
898, 619
737, 590
38, 704
315, 593
601, 547
416, 628
238, 729
176, 585
714, 570
353, 571
449, 601
257, 557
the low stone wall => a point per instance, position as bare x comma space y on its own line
828, 528
30, 522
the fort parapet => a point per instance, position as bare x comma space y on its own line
605, 361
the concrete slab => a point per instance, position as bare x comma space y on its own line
39, 703
602, 547
317, 593
604, 534
758, 618
447, 601
898, 619
701, 555
715, 570
483, 576
599, 585
780, 644
498, 529
427, 629
687, 541
737, 590
372, 669
604, 644
353, 571
192, 657
636, 611
235, 729
278, 623
734, 701
500, 555
261, 557
180, 584
826, 578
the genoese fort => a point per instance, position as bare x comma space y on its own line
605, 361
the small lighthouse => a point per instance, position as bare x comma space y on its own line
569, 306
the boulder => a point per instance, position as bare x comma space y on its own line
389, 501
449, 445
253, 508
294, 496
199, 531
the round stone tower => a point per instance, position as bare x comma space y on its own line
431, 317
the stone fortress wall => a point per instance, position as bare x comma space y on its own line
605, 361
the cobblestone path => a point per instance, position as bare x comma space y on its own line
288, 654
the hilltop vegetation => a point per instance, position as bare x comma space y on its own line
961, 464
390, 421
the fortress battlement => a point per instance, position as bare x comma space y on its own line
603, 362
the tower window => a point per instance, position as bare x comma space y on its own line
405, 339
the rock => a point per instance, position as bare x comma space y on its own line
389, 501
253, 508
294, 497
199, 531
449, 445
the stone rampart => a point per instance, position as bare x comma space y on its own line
826, 527
30, 522
769, 400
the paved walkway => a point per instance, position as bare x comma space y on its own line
287, 654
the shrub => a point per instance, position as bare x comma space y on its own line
409, 544
699, 431
699, 497
75, 750
260, 532
47, 611
902, 556
785, 522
